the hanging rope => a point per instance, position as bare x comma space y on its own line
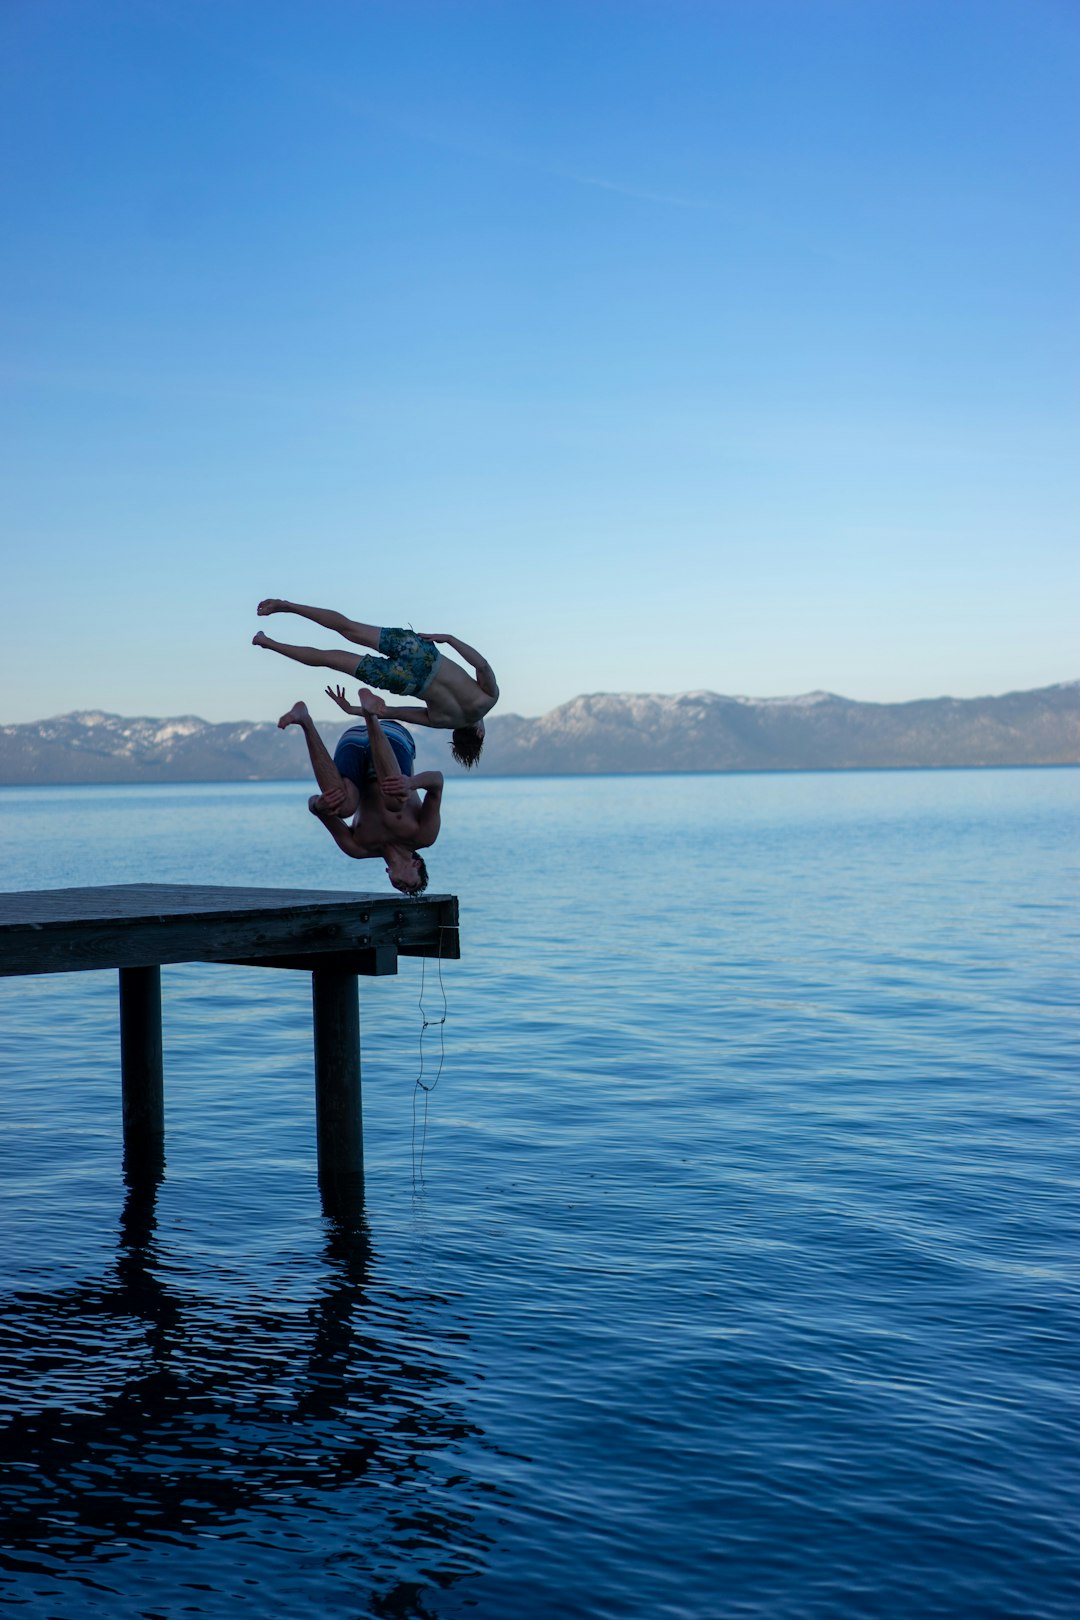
427, 1086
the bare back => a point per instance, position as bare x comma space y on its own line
454, 698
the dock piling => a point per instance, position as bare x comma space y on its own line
141, 1072
339, 1130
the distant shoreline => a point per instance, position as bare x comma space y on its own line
305, 783
600, 734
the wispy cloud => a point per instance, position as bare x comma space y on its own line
316, 87
640, 193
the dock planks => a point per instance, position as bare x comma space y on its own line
144, 924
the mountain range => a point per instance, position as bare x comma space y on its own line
596, 734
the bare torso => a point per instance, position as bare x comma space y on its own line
380, 820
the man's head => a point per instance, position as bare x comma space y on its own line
405, 869
466, 743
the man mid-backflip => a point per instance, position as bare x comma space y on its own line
370, 779
410, 666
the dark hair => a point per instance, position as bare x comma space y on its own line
465, 745
422, 881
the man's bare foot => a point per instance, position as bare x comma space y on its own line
260, 639
295, 717
370, 703
271, 604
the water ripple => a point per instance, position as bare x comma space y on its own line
740, 1280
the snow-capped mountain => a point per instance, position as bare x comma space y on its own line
598, 733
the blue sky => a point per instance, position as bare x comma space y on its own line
648, 346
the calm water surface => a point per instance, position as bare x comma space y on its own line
738, 1278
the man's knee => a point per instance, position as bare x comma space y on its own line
343, 801
350, 801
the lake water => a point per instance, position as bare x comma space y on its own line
738, 1278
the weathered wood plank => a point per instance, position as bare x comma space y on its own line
379, 961
139, 925
152, 899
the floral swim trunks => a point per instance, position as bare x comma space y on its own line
406, 667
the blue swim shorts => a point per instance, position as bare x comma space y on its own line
406, 667
352, 756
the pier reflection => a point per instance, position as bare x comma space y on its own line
142, 1411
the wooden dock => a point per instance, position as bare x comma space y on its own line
138, 927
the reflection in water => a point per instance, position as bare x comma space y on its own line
141, 1412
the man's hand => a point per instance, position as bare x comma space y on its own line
328, 803
338, 695
396, 787
370, 702
424, 636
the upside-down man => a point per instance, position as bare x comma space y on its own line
370, 779
410, 666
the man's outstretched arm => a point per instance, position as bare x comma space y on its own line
485, 675
408, 717
429, 821
372, 704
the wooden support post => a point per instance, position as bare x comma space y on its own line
339, 1125
140, 1062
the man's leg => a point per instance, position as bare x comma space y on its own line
383, 757
342, 796
314, 657
365, 635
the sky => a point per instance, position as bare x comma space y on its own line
647, 345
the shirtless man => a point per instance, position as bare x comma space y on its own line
370, 778
411, 666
